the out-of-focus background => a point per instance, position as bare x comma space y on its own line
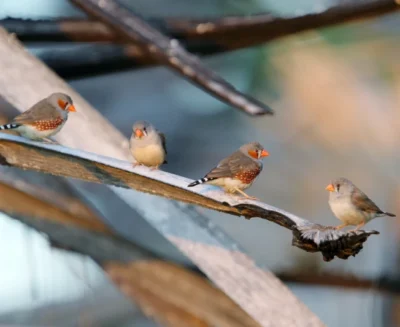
336, 93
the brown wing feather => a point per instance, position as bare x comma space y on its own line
40, 111
236, 163
164, 143
363, 202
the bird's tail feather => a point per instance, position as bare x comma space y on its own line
9, 126
389, 214
200, 181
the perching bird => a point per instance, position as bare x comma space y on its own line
148, 145
238, 171
44, 119
351, 205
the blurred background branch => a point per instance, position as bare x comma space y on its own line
225, 33
206, 36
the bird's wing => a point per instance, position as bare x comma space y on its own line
231, 166
163, 141
363, 202
40, 111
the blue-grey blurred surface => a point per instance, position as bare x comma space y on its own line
336, 97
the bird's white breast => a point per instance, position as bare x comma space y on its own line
345, 211
150, 155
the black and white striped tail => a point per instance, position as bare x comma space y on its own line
9, 126
200, 181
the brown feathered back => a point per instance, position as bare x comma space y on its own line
233, 165
42, 110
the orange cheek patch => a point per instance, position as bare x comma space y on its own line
46, 125
253, 154
62, 104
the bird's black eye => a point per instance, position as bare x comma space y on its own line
338, 187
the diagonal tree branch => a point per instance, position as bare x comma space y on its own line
170, 53
60, 161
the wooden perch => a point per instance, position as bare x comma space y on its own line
56, 160
170, 53
25, 80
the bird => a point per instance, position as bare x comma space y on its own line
238, 171
350, 205
148, 145
44, 119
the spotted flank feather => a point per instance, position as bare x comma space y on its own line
201, 181
45, 125
9, 126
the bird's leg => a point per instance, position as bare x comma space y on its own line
155, 167
341, 226
49, 141
245, 195
135, 164
358, 227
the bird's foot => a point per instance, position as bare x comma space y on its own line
357, 228
48, 141
154, 168
340, 226
246, 196
135, 164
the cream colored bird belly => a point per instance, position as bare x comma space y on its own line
151, 155
345, 211
229, 184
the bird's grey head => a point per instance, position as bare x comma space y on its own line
254, 150
340, 187
61, 101
142, 129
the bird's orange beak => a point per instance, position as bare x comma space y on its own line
139, 133
71, 108
330, 188
264, 153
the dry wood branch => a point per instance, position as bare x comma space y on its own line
60, 161
55, 201
183, 298
171, 53
385, 284
25, 80
226, 33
